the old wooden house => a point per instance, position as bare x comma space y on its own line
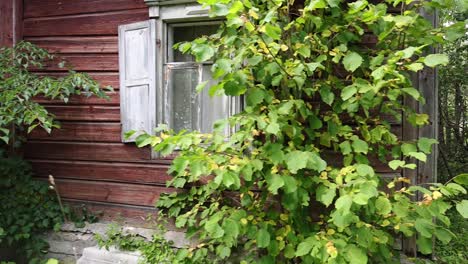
127, 44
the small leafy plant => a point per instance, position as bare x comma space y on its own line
27, 211
156, 250
296, 182
19, 113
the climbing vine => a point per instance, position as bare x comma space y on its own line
297, 181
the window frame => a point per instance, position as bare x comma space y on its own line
168, 18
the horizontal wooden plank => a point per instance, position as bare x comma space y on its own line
111, 212
86, 151
80, 131
103, 171
85, 113
103, 78
105, 44
124, 193
83, 25
113, 99
40, 8
83, 62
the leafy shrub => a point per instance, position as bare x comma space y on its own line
28, 209
19, 113
295, 182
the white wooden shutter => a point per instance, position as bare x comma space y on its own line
137, 70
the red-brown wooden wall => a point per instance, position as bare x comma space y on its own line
86, 156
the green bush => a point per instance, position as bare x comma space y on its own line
28, 209
19, 113
295, 182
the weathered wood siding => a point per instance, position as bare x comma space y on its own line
86, 156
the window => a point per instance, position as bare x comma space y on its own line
184, 107
158, 84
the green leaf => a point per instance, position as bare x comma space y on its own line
406, 148
296, 160
424, 226
202, 52
415, 67
304, 248
424, 245
273, 32
348, 92
412, 92
383, 205
345, 147
223, 251
344, 203
360, 146
395, 164
461, 179
255, 96
356, 255
263, 238
327, 95
444, 235
273, 128
425, 144
352, 61
219, 9
52, 261
290, 184
462, 208
361, 198
365, 170
326, 194
274, 183
433, 60
316, 4
418, 155
230, 179
315, 162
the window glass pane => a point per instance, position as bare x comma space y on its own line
187, 33
212, 108
181, 104
185, 107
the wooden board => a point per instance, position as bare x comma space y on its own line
83, 25
111, 212
41, 8
6, 22
86, 151
113, 99
103, 171
83, 62
104, 78
80, 131
132, 194
85, 113
100, 44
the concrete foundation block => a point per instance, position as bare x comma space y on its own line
95, 255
